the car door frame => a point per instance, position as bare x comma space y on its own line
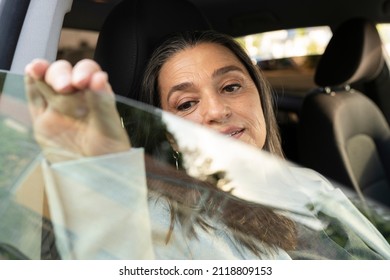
34, 27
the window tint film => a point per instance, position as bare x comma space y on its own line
181, 189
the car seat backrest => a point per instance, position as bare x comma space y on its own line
358, 45
132, 31
353, 54
343, 134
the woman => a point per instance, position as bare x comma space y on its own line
205, 77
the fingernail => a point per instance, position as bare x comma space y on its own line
62, 82
80, 76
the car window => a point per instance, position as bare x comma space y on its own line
288, 57
384, 29
214, 180
18, 148
18, 151
76, 44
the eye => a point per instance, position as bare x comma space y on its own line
232, 88
186, 105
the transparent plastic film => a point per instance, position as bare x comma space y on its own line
129, 181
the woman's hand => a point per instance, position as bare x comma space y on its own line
73, 110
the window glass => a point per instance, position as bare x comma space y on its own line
288, 57
287, 43
215, 188
384, 32
75, 44
17, 146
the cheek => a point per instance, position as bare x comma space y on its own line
251, 108
256, 121
259, 130
194, 117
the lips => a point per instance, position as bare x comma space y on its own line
233, 132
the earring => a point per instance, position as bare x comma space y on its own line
176, 157
122, 123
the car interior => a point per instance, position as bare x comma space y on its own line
127, 39
333, 112
342, 126
352, 74
355, 60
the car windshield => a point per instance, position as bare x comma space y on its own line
213, 180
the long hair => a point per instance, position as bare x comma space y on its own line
194, 202
250, 224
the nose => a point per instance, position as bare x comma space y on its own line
215, 109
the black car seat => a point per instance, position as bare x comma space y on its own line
132, 31
343, 134
378, 87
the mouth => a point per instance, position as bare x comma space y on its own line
236, 133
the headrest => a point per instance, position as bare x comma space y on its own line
353, 54
133, 30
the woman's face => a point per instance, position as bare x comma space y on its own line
207, 84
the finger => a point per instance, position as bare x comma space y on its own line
83, 72
36, 69
72, 105
59, 76
51, 97
100, 96
36, 101
99, 83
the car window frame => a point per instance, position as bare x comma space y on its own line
11, 22
39, 34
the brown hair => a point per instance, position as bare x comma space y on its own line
196, 202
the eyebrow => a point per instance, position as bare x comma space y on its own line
226, 69
216, 73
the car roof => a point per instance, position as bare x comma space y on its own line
242, 17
